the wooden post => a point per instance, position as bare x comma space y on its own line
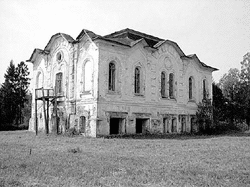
44, 111
47, 122
36, 125
57, 128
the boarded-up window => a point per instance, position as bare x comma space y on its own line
163, 84
88, 71
137, 80
58, 84
112, 76
171, 85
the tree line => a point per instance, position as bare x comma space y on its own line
15, 99
230, 105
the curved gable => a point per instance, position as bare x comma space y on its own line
201, 64
53, 38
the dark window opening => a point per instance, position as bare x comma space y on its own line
204, 89
58, 85
171, 85
116, 125
112, 76
165, 125
190, 88
59, 56
163, 85
183, 124
137, 80
174, 125
192, 125
82, 125
141, 125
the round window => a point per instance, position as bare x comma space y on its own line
59, 56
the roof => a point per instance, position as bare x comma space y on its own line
194, 56
126, 37
91, 34
129, 37
35, 53
65, 36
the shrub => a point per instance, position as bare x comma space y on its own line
71, 132
204, 116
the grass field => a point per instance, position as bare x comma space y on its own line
27, 160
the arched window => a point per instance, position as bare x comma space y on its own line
58, 84
88, 71
204, 89
137, 80
171, 85
111, 76
190, 88
163, 84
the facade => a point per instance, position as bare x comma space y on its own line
126, 82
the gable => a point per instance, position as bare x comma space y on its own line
57, 40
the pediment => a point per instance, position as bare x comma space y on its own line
57, 40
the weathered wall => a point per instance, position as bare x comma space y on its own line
87, 83
75, 102
89, 106
149, 105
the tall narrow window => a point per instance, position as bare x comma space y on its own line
190, 88
137, 80
82, 124
163, 84
112, 76
58, 85
204, 89
88, 71
171, 85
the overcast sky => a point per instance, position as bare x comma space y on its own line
217, 31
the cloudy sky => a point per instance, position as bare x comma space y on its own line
218, 31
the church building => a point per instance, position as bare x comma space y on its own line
126, 82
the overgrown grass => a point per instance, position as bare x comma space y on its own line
27, 160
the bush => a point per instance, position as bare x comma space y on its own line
241, 126
71, 132
204, 117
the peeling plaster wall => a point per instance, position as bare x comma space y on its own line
85, 68
75, 102
149, 105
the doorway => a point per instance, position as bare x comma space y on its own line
183, 124
165, 125
141, 125
174, 125
116, 125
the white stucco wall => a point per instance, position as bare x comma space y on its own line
150, 105
86, 93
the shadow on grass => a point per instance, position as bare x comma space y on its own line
177, 136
